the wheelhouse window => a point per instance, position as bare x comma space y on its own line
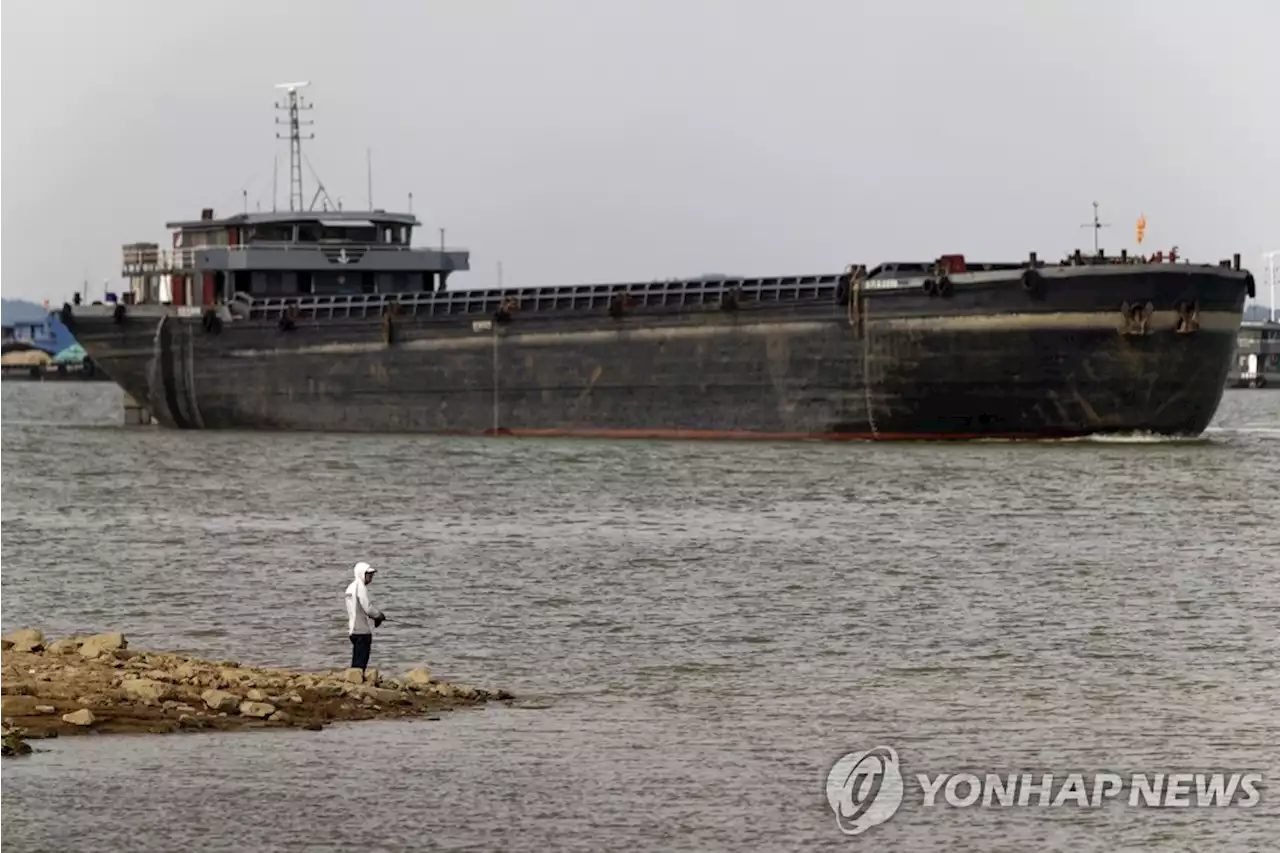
271, 234
347, 231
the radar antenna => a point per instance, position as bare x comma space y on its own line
294, 103
1096, 226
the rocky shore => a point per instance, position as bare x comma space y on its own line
78, 685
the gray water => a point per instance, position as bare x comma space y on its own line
696, 630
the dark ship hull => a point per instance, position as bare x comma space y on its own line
1045, 352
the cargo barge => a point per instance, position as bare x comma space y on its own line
1257, 356
333, 320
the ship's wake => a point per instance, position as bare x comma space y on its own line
1140, 438
1263, 430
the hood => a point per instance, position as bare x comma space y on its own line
361, 570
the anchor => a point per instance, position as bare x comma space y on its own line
1188, 318
1133, 318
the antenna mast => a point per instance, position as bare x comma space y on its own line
293, 105
1096, 226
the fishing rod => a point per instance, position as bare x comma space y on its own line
402, 622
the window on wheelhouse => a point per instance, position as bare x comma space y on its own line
348, 232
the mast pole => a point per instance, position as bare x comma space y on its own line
1097, 226
293, 105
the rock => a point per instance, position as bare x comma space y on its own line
312, 727
145, 689
83, 717
293, 699
257, 709
354, 675
230, 675
256, 695
158, 675
465, 692
184, 710
371, 676
187, 721
331, 690
220, 700
100, 644
419, 676
382, 695
185, 672
442, 688
46, 709
17, 688
5, 645
14, 742
19, 706
65, 646
26, 640
280, 717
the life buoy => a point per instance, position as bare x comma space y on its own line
287, 323
930, 287
506, 308
118, 313
211, 321
619, 304
1030, 279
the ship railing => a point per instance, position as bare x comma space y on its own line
331, 244
162, 262
166, 261
561, 299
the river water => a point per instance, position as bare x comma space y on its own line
696, 631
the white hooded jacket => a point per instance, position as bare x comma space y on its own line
360, 611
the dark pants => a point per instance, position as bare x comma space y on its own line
361, 645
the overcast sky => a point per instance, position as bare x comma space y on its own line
581, 140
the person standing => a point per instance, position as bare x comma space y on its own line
362, 616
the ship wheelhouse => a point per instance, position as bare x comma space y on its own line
318, 253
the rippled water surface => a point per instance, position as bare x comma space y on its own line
696, 631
